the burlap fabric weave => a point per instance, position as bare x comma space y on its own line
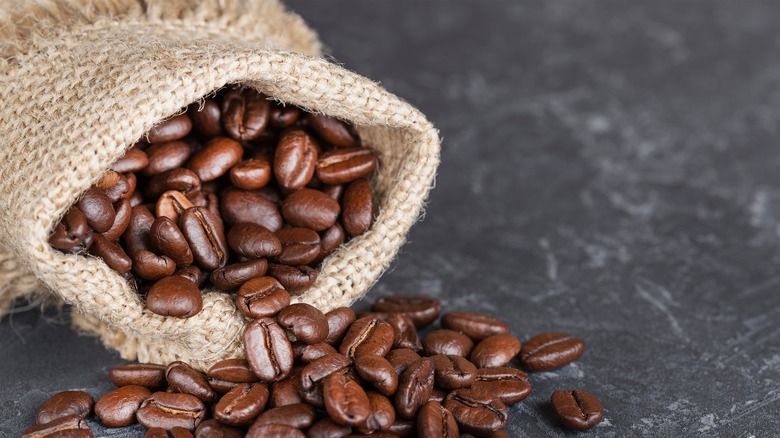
83, 79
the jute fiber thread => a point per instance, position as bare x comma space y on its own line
82, 80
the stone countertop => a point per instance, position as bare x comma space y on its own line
608, 171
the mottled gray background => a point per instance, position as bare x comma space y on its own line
608, 169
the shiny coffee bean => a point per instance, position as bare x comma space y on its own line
206, 238
168, 410
118, 408
261, 297
137, 235
313, 352
172, 129
254, 241
476, 412
330, 240
300, 246
283, 116
495, 351
176, 432
166, 156
508, 384
345, 401
70, 233
295, 159
229, 373
184, 379
341, 166
367, 336
97, 209
447, 342
242, 206
149, 375
476, 326
234, 275
242, 404
214, 429
121, 221
274, 431
174, 296
315, 372
438, 395
453, 372
401, 358
339, 320
332, 130
295, 279
311, 209
327, 428
193, 274
299, 416
171, 204
71, 426
251, 174
287, 391
577, 409
134, 160
112, 254
414, 387
305, 321
63, 404
150, 266
216, 158
167, 239
206, 118
379, 372
245, 113
435, 421
405, 331
381, 414
180, 179
550, 351
268, 350
423, 310
334, 191
114, 185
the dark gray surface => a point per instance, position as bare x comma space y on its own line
608, 170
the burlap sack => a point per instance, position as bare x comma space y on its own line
83, 79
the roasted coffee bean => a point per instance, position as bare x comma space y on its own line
339, 320
577, 409
148, 375
453, 372
176, 432
377, 371
274, 431
112, 254
438, 394
244, 113
172, 129
422, 310
310, 353
311, 209
315, 372
414, 387
71, 426
242, 206
242, 404
121, 220
327, 428
287, 391
435, 421
334, 191
405, 331
550, 351
508, 384
232, 276
332, 130
118, 408
134, 160
70, 233
476, 326
206, 238
295, 279
299, 416
381, 414
192, 273
345, 165
171, 205
476, 412
251, 174
97, 209
174, 296
229, 373
401, 358
167, 156
150, 266
283, 116
330, 240
168, 410
183, 378
216, 158
267, 349
495, 351
254, 241
447, 342
261, 297
300, 246
345, 400
115, 185
305, 321
295, 159
180, 179
137, 236
63, 404
214, 429
367, 336
206, 118
169, 240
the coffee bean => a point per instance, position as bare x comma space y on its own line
495, 351
315, 372
166, 156
305, 321
332, 130
149, 375
295, 279
137, 235
381, 414
367, 336
183, 378
345, 165
414, 387
274, 431
339, 320
150, 266
295, 159
118, 408
252, 240
71, 426
134, 160
422, 310
311, 209
330, 240
577, 409
327, 428
435, 421
447, 342
310, 353
174, 296
121, 220
176, 432
180, 179
229, 373
298, 416
205, 237
168, 410
242, 404
476, 326
287, 391
112, 254
171, 205
244, 113
283, 116
193, 274
300, 246
216, 158
168, 240
232, 276
438, 395
172, 129
453, 372
243, 206
97, 209
345, 401
476, 412
251, 174
261, 297
401, 358
206, 118
63, 404
402, 427
379, 372
267, 349
508, 384
550, 351
70, 233
113, 184
357, 207
405, 331
214, 429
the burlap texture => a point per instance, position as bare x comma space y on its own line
82, 83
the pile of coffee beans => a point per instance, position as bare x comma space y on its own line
309, 374
236, 188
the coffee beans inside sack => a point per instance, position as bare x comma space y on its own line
239, 193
